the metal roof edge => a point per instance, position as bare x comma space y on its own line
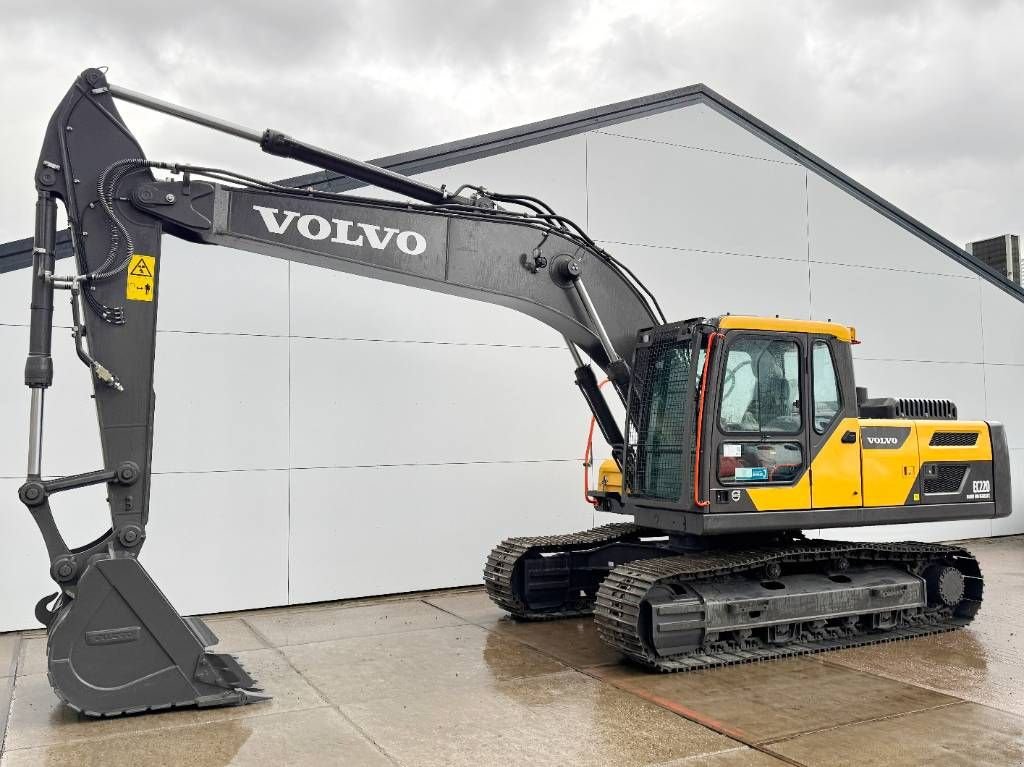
509, 139
476, 147
18, 254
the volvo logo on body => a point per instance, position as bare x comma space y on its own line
314, 227
884, 437
883, 440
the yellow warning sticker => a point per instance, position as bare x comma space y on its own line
140, 278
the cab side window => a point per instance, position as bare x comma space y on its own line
826, 387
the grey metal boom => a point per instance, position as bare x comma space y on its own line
469, 253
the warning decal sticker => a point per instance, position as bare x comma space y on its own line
140, 278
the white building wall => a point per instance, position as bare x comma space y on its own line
322, 436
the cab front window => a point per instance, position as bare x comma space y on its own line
761, 386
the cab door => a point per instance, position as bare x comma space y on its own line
760, 452
833, 428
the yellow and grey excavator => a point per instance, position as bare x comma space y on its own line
739, 432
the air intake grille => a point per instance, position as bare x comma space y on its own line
926, 409
954, 439
947, 478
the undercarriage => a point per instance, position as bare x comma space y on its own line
677, 603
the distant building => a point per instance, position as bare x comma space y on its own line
1001, 253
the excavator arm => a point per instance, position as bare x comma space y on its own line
503, 249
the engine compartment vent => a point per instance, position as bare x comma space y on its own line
932, 409
903, 407
944, 478
954, 439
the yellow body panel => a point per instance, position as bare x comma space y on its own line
873, 474
835, 471
980, 451
609, 478
888, 475
782, 498
743, 322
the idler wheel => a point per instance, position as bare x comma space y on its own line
945, 585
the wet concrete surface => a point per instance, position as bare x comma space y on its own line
292, 627
316, 737
736, 757
572, 641
445, 678
961, 734
414, 663
769, 701
8, 654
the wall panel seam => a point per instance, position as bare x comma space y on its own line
702, 149
984, 374
496, 462
288, 482
897, 269
235, 334
941, 362
324, 467
807, 231
543, 347
661, 246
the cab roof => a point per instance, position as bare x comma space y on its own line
743, 322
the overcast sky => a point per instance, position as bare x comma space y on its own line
923, 102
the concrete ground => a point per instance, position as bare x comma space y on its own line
444, 678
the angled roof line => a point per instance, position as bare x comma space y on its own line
509, 139
831, 173
16, 255
455, 152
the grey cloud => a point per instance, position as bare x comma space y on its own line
920, 101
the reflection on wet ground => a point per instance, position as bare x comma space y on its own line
445, 678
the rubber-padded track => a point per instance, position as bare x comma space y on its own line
619, 609
500, 569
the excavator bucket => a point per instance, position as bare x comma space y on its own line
119, 647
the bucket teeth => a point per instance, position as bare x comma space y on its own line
252, 695
223, 670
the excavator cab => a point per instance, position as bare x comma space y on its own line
741, 424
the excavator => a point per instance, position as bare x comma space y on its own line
739, 433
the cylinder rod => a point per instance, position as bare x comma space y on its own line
35, 435
574, 352
276, 143
602, 334
159, 105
